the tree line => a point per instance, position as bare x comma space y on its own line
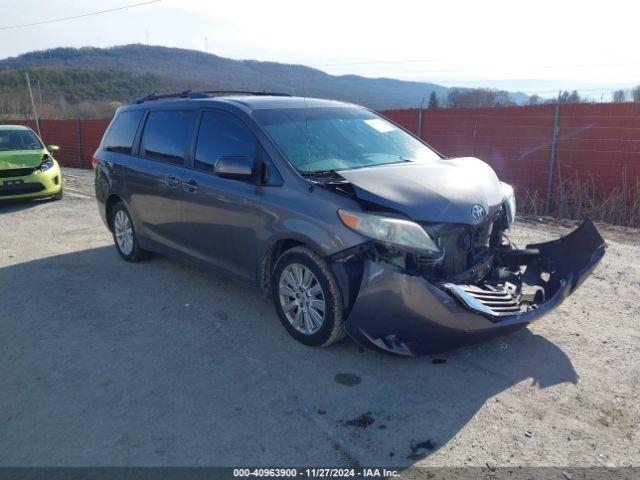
487, 97
70, 92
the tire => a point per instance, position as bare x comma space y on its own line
59, 195
291, 276
127, 245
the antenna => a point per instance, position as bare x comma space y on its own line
306, 131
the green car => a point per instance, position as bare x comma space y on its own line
27, 167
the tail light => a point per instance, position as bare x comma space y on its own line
94, 161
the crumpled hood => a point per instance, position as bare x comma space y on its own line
435, 191
21, 159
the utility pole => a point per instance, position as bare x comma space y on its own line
33, 104
146, 32
206, 44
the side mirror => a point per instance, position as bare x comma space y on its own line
53, 148
238, 168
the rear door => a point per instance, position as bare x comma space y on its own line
221, 214
155, 179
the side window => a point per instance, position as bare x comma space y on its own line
166, 135
222, 135
122, 132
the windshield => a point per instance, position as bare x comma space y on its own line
322, 139
19, 140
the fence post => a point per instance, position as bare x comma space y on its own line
475, 135
79, 142
552, 160
420, 114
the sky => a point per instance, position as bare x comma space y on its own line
535, 47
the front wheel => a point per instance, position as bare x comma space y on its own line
307, 298
124, 235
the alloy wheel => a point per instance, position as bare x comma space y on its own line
124, 232
302, 298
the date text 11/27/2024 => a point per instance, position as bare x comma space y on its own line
316, 472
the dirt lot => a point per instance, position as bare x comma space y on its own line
157, 363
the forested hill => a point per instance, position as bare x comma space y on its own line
173, 68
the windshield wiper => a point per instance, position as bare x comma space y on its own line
323, 177
319, 173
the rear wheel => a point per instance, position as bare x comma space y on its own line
307, 298
124, 235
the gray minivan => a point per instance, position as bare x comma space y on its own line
351, 224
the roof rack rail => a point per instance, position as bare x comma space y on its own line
204, 94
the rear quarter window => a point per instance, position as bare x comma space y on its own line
122, 132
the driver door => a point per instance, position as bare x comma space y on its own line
220, 214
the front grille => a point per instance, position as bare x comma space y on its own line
493, 301
16, 172
20, 189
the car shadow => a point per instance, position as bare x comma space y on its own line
158, 363
8, 206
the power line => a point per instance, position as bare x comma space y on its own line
78, 16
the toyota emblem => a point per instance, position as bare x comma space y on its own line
478, 212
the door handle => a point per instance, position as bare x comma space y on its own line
170, 181
190, 186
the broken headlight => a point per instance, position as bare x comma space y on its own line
509, 201
390, 230
47, 163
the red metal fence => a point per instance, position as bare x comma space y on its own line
77, 139
599, 141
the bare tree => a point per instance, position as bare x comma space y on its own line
569, 97
618, 96
534, 99
477, 97
635, 94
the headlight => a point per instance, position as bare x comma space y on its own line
46, 164
391, 230
509, 201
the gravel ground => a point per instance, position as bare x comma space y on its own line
157, 363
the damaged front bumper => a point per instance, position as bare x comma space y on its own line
408, 315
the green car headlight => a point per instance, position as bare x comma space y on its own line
47, 163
